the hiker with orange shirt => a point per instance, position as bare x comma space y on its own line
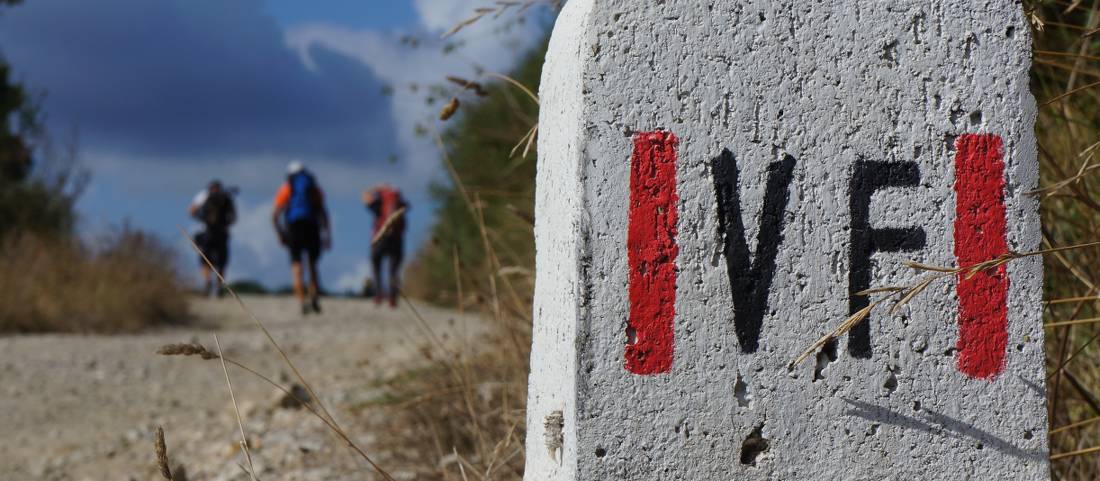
388, 241
302, 223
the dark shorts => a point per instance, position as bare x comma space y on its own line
215, 246
303, 236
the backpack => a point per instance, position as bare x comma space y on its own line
390, 200
302, 194
218, 212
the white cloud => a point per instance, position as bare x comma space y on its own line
441, 15
489, 45
352, 280
255, 232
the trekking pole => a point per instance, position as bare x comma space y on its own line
386, 225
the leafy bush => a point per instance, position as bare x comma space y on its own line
465, 413
485, 215
249, 286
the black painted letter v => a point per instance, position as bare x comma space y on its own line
750, 279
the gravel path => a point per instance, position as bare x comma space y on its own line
82, 408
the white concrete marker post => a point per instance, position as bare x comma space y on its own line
715, 179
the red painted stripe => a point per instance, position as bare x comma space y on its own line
651, 253
980, 236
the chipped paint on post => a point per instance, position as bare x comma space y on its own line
716, 180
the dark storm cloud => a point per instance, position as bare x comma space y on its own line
192, 79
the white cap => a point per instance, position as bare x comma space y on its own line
294, 167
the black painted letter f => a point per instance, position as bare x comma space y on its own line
750, 279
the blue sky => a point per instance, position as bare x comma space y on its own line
164, 95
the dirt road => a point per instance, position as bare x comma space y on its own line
85, 407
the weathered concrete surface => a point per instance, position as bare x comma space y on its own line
859, 106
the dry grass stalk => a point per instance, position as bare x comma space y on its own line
236, 412
1079, 452
497, 11
263, 328
245, 470
905, 294
1075, 425
327, 417
448, 110
161, 449
530, 93
478, 89
1069, 93
422, 323
527, 141
1066, 300
478, 13
1072, 322
1058, 186
461, 468
1066, 360
285, 390
844, 327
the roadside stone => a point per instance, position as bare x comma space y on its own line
286, 401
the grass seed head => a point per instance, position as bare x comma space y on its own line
449, 110
185, 349
162, 454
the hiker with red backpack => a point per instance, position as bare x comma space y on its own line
388, 241
213, 206
302, 224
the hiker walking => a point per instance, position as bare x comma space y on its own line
302, 224
388, 241
213, 206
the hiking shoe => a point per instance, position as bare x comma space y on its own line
306, 309
316, 305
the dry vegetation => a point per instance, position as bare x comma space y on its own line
57, 283
1066, 83
462, 416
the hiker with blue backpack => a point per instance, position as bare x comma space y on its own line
302, 224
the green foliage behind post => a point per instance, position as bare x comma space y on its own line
249, 286
27, 204
501, 187
34, 207
18, 120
